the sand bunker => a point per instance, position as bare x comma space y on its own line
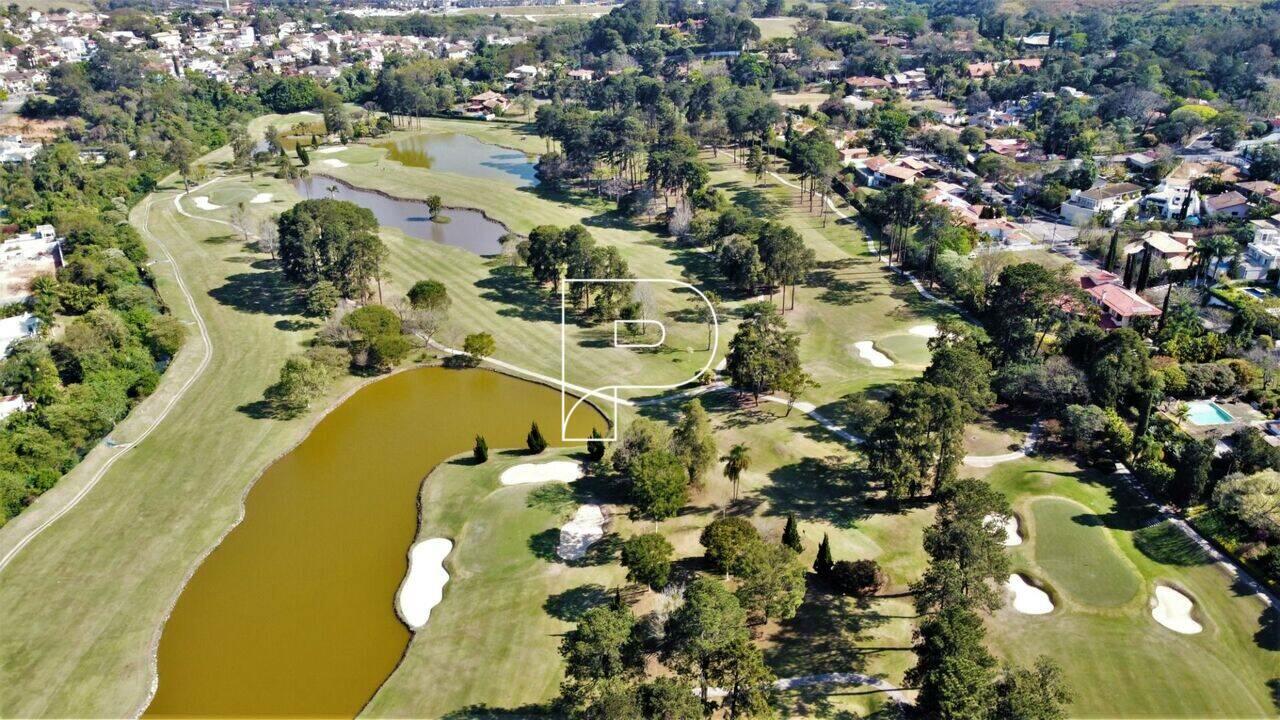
1027, 598
557, 471
330, 150
1172, 609
867, 351
334, 163
423, 585
925, 331
261, 199
580, 533
202, 202
1011, 536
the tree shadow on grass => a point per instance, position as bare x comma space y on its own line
258, 410
543, 545
840, 285
820, 489
1167, 545
261, 292
825, 635
601, 552
1268, 635
518, 294
484, 712
572, 604
1274, 686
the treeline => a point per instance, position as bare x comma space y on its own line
1108, 396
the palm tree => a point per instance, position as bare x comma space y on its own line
736, 463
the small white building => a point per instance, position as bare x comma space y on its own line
10, 404
13, 329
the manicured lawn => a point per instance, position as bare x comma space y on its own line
1074, 549
1090, 542
776, 27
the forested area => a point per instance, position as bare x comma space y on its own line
104, 335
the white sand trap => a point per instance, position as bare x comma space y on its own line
1011, 536
924, 331
1027, 598
1172, 609
867, 351
556, 471
423, 585
331, 162
580, 533
330, 150
261, 199
202, 202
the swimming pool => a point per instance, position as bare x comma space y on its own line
1204, 412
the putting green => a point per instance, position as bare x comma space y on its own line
1072, 547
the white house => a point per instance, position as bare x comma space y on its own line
1109, 201
13, 329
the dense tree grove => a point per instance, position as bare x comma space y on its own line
333, 240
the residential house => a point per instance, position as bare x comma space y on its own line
1175, 248
487, 103
1262, 254
1111, 202
25, 257
1118, 304
1169, 199
867, 83
1227, 204
1008, 147
15, 328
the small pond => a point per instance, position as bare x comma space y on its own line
464, 155
466, 229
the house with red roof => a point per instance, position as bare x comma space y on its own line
1119, 305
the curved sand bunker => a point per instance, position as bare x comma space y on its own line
202, 202
1172, 609
925, 331
580, 533
331, 162
564, 471
261, 199
867, 351
423, 585
331, 149
1027, 598
1011, 535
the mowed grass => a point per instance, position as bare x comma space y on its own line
1080, 527
494, 639
1075, 550
776, 27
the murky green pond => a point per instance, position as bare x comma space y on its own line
293, 614
462, 154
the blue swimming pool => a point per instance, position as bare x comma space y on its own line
1204, 412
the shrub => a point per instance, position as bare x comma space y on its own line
595, 446
859, 578
481, 451
534, 439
